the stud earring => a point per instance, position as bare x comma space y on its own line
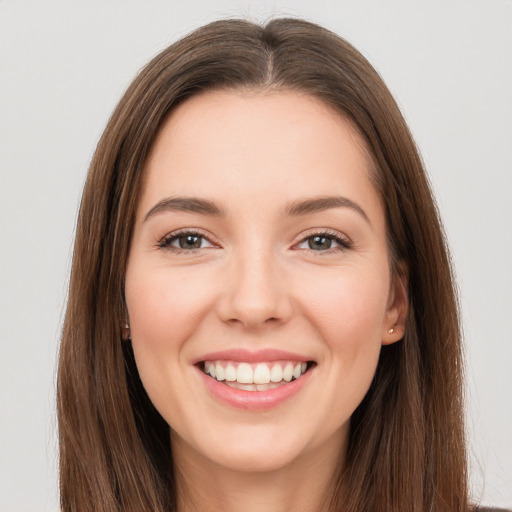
391, 331
127, 336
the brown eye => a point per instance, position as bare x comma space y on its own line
184, 241
190, 241
325, 242
319, 243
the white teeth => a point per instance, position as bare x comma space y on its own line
264, 375
276, 374
244, 373
253, 387
245, 387
261, 374
220, 373
264, 387
230, 373
288, 372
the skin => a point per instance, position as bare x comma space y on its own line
256, 283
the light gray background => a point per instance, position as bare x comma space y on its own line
63, 66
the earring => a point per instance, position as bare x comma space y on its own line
127, 336
391, 331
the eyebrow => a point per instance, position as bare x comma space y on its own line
293, 208
185, 204
318, 204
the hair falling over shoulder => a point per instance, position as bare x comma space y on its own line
407, 448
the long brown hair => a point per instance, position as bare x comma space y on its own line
407, 448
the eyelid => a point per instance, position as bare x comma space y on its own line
343, 241
164, 241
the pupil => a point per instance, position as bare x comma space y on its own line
320, 242
190, 242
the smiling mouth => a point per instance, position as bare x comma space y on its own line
255, 376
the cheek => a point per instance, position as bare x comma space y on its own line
163, 305
347, 313
348, 310
164, 308
345, 308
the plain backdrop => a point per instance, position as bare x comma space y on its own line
64, 65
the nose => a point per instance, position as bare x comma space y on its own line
255, 293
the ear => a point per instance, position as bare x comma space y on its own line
393, 326
126, 334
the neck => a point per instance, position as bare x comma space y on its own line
305, 485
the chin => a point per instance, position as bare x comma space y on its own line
249, 449
250, 460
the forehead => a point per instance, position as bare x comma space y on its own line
277, 144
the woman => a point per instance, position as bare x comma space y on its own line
261, 313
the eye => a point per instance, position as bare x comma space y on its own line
184, 241
324, 242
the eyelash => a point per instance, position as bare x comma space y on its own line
165, 242
343, 242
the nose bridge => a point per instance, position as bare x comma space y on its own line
255, 293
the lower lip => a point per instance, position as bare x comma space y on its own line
253, 400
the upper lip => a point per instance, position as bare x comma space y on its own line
249, 356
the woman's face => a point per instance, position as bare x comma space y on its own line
259, 255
